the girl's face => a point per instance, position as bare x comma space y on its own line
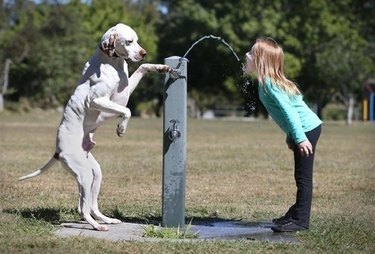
249, 68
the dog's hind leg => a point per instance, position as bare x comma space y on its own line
78, 164
95, 188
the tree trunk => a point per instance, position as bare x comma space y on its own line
1, 102
5, 83
319, 109
349, 109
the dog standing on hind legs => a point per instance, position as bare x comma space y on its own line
102, 93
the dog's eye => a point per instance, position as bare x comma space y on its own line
128, 42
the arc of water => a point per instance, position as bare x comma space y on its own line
212, 37
175, 73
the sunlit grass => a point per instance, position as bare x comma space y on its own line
235, 170
170, 233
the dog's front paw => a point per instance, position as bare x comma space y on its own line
120, 130
162, 68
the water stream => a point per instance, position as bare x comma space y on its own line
212, 37
246, 86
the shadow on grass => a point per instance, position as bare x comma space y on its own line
51, 215
212, 221
58, 216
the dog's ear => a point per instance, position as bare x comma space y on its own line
108, 42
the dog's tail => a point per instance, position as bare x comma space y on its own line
40, 171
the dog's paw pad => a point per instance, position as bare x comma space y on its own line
163, 68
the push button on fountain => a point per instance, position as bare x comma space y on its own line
175, 74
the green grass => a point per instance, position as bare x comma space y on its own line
235, 170
170, 233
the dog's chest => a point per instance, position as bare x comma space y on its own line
121, 92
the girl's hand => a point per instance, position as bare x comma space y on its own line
305, 148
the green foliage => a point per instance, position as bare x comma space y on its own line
49, 44
334, 112
329, 45
334, 49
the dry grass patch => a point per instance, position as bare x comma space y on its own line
235, 170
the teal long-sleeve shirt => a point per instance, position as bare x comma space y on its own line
290, 113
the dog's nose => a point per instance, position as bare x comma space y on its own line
143, 53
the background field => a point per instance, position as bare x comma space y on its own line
236, 170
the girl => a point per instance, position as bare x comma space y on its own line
283, 101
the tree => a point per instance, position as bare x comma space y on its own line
334, 52
186, 22
56, 46
307, 30
328, 45
142, 16
214, 74
346, 64
50, 42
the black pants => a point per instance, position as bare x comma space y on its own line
299, 213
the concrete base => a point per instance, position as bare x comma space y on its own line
117, 232
211, 231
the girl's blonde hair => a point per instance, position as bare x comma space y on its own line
269, 63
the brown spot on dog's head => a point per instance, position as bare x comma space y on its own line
108, 43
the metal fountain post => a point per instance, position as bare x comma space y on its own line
174, 139
174, 143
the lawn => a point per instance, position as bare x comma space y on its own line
235, 170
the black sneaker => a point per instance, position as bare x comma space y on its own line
280, 220
287, 226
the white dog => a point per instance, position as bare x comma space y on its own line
102, 93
